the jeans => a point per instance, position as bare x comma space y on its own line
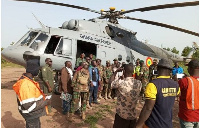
185, 124
93, 94
66, 106
33, 123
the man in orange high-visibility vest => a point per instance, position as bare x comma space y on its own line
31, 100
189, 99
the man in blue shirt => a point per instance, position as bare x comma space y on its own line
177, 69
94, 82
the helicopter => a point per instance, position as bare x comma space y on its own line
106, 39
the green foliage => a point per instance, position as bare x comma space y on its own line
196, 54
93, 119
174, 50
186, 51
168, 49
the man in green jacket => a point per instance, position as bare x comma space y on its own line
48, 78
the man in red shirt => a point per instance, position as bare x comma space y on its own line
189, 99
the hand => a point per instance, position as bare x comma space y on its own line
119, 69
49, 90
92, 85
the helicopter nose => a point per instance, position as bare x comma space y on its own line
13, 55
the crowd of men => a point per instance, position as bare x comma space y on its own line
91, 81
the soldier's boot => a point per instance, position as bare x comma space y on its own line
70, 116
88, 105
106, 96
67, 115
109, 95
99, 95
83, 115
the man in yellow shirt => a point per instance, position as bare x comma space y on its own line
160, 95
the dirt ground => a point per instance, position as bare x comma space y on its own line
100, 116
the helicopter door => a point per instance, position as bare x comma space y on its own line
105, 53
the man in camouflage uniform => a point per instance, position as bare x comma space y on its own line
106, 76
80, 59
80, 89
48, 78
144, 76
127, 97
101, 69
152, 69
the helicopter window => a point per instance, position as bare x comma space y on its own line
64, 47
40, 39
53, 42
29, 38
119, 57
110, 31
128, 59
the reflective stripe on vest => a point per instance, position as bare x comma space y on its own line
192, 96
192, 92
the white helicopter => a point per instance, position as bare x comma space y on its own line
104, 39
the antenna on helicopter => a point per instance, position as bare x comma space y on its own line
41, 24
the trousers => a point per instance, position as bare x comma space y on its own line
33, 123
185, 124
93, 94
76, 99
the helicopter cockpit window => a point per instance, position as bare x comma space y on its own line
39, 40
53, 42
64, 47
110, 31
28, 39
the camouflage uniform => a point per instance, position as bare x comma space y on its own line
107, 73
127, 97
80, 90
151, 68
47, 76
79, 60
144, 72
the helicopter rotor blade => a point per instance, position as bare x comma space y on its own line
194, 3
163, 25
61, 4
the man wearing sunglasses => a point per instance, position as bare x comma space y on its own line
48, 78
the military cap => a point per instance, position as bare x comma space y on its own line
165, 64
141, 61
193, 64
155, 60
138, 59
108, 61
115, 59
32, 66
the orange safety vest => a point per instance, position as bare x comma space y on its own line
192, 96
20, 89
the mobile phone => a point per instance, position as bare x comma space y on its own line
155, 72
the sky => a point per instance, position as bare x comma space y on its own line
16, 18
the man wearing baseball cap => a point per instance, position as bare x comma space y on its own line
152, 70
160, 96
189, 99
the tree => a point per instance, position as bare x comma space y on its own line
196, 54
174, 50
168, 49
186, 51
